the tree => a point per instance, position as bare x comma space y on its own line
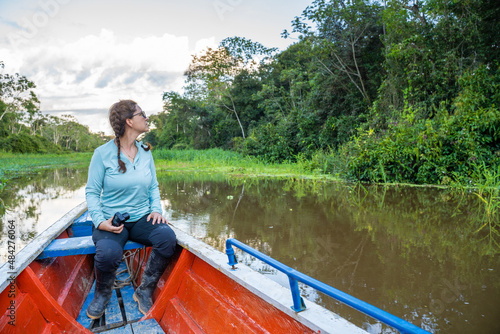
429, 45
349, 35
17, 95
215, 70
178, 122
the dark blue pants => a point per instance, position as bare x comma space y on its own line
109, 245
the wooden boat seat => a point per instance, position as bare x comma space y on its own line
77, 246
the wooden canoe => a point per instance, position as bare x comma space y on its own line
51, 284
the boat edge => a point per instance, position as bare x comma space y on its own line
30, 252
315, 316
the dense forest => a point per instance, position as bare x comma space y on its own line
396, 91
25, 129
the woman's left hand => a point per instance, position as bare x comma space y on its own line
157, 218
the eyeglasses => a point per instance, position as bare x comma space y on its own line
142, 113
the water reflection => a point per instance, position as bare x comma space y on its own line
413, 252
35, 202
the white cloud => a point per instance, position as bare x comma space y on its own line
83, 54
96, 70
204, 43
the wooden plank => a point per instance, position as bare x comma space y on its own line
178, 320
82, 226
131, 308
83, 319
197, 297
172, 285
37, 245
213, 288
72, 295
68, 246
84, 219
149, 326
127, 329
86, 321
49, 308
130, 305
57, 274
81, 231
113, 312
124, 275
26, 314
76, 246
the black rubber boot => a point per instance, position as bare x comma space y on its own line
102, 294
155, 267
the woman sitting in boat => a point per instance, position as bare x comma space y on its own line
126, 185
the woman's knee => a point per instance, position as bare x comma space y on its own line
163, 240
108, 255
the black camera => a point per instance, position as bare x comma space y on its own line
119, 219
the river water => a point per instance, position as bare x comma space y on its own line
414, 252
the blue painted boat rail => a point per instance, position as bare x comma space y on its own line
295, 276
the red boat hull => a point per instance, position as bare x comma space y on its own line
192, 297
198, 292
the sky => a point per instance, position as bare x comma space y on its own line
84, 55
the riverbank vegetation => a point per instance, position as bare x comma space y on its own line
220, 165
232, 163
403, 92
396, 92
15, 165
25, 129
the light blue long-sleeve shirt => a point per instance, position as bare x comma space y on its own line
109, 191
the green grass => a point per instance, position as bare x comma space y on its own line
229, 163
210, 161
14, 165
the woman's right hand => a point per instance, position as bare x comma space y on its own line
107, 226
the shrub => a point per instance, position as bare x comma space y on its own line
272, 143
430, 150
24, 143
